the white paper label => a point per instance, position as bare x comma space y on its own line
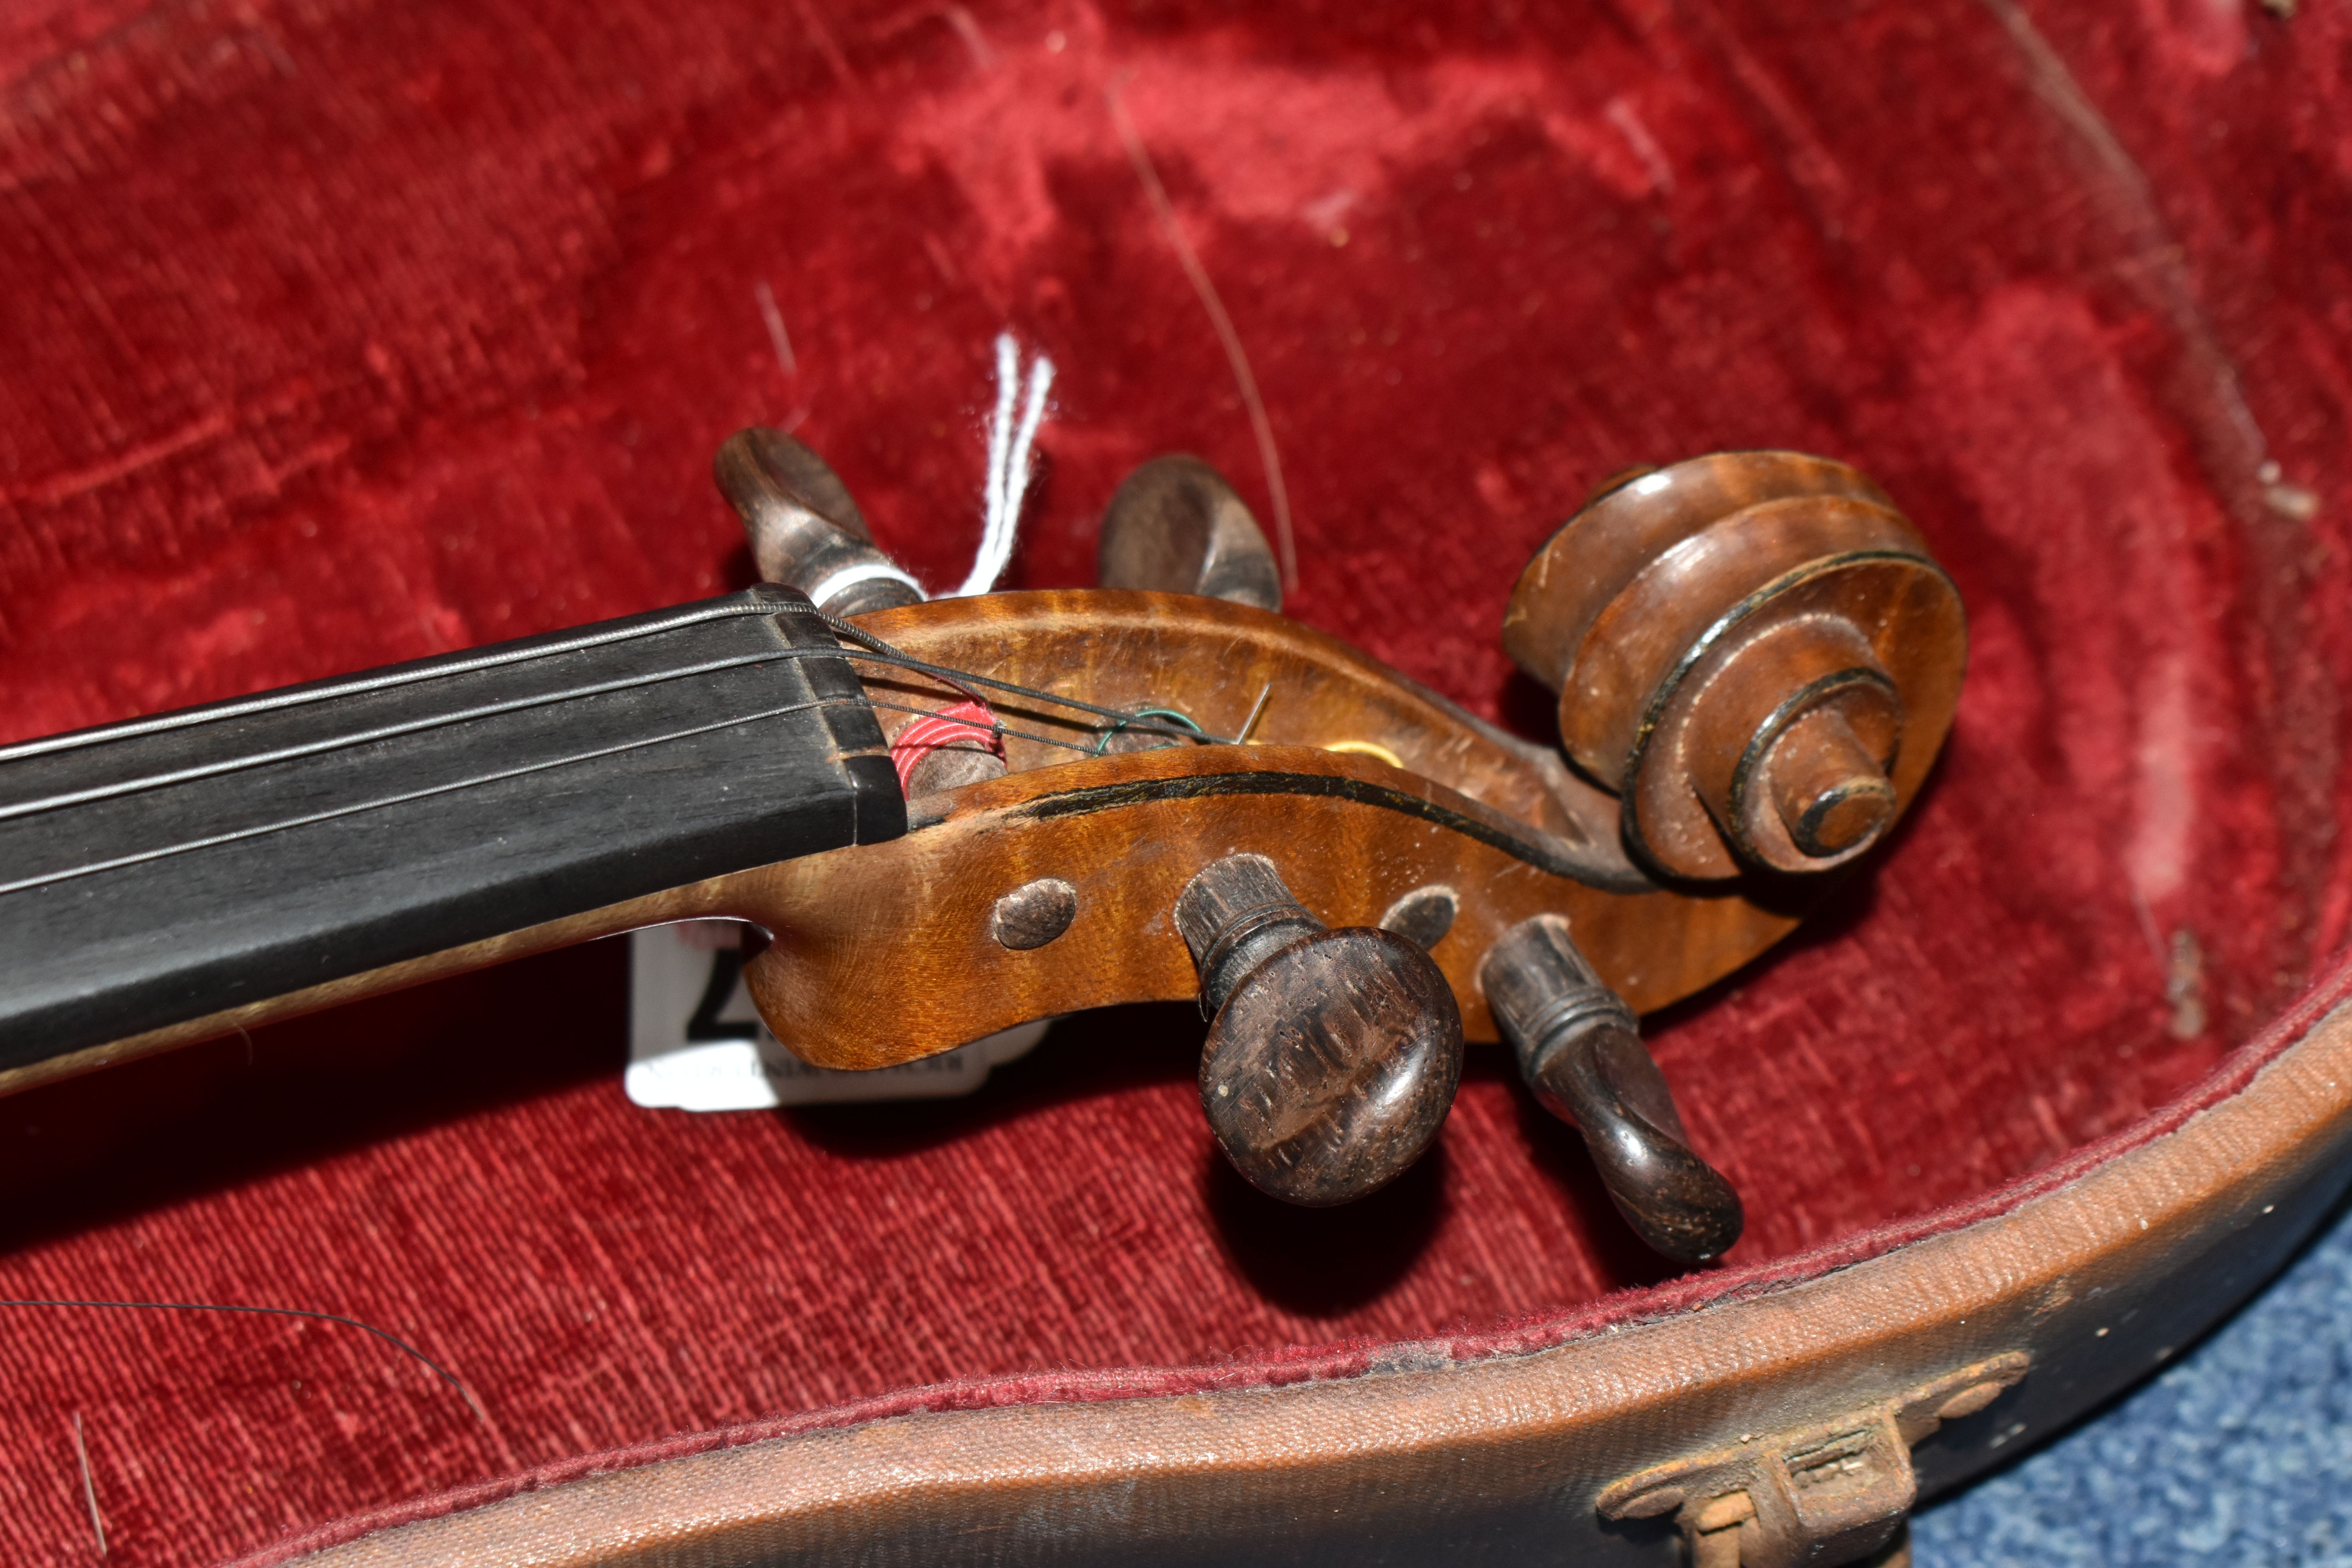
695, 1043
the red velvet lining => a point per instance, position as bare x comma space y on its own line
342, 334
1320, 1363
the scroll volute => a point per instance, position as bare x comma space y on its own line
1755, 649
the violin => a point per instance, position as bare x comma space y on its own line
952, 817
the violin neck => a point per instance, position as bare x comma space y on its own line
173, 869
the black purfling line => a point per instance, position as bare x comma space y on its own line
52, 877
361, 738
1536, 852
270, 701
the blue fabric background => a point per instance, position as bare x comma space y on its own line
2241, 1453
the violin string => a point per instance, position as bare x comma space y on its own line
45, 879
882, 652
365, 737
384, 680
1110, 731
875, 649
444, 1373
1258, 711
357, 738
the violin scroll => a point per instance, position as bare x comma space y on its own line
1333, 1055
1755, 649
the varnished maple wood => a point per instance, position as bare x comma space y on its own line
1126, 831
1399, 794
1523, 836
1633, 519
1333, 1055
2097, 1281
1695, 619
1350, 834
1213, 661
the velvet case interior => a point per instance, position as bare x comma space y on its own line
347, 334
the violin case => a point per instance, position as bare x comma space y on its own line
345, 332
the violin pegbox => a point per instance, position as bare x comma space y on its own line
1167, 790
1755, 651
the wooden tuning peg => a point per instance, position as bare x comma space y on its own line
1755, 649
1580, 1050
1175, 525
806, 531
1333, 1055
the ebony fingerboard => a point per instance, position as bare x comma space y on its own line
166, 868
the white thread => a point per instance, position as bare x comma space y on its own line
863, 572
999, 441
1009, 447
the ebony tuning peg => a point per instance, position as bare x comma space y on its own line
1175, 525
1755, 649
806, 530
1333, 1055
1580, 1050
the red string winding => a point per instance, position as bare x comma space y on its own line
958, 726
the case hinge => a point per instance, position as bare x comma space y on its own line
1824, 1495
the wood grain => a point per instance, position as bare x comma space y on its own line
1212, 661
885, 952
1755, 649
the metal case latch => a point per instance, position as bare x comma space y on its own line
1822, 1495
